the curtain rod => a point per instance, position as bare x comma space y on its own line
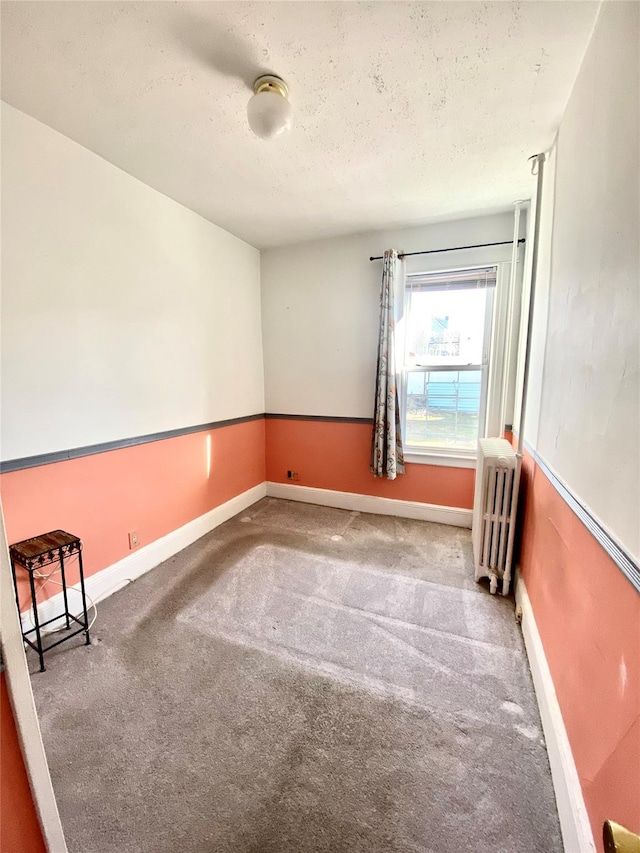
452, 249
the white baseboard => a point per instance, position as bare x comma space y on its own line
105, 582
369, 503
574, 820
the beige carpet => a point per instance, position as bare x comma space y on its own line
301, 679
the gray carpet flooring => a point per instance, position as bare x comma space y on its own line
301, 679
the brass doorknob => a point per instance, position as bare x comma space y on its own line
617, 839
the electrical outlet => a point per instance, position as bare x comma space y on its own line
293, 475
133, 539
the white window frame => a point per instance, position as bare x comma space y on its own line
497, 343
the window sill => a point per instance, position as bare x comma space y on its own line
441, 459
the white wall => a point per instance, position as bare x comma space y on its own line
584, 411
123, 313
320, 309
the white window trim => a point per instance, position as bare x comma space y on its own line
446, 460
500, 343
496, 392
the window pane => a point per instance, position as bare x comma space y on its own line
446, 327
416, 383
443, 408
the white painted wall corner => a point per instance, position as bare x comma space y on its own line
575, 826
24, 708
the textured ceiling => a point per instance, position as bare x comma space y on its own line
404, 112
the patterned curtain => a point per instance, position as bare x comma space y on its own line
386, 442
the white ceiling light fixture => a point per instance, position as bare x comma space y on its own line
269, 111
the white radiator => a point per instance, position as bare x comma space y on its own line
494, 511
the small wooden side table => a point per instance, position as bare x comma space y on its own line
33, 555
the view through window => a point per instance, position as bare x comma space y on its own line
446, 358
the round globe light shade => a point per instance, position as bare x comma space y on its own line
269, 114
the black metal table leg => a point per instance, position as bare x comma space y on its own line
84, 598
36, 622
64, 588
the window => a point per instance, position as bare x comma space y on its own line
445, 373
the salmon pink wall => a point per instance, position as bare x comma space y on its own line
335, 455
582, 418
151, 488
19, 827
588, 616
